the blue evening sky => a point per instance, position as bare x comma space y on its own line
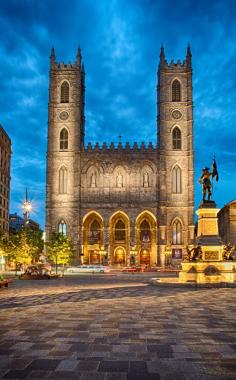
120, 41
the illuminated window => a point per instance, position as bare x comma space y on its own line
176, 180
62, 228
65, 92
176, 232
176, 91
145, 232
64, 139
176, 138
63, 180
120, 231
94, 232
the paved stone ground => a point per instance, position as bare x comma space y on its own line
116, 328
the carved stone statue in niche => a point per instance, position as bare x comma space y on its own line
145, 180
119, 180
93, 182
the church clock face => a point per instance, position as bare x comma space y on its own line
64, 115
176, 114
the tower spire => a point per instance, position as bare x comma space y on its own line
78, 57
189, 57
162, 56
52, 57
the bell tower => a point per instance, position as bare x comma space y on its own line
175, 140
65, 141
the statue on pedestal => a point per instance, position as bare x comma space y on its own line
228, 253
194, 254
205, 180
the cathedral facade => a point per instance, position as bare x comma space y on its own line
122, 205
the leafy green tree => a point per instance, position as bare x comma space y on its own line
35, 240
23, 247
59, 250
4, 246
20, 249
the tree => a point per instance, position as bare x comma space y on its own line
4, 245
20, 249
35, 240
59, 249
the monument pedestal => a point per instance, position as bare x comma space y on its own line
211, 267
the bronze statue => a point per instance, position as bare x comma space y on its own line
205, 180
194, 254
228, 253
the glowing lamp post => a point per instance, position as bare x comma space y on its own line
27, 207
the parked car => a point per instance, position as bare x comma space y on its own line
129, 269
87, 269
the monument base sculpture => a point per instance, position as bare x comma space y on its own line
210, 261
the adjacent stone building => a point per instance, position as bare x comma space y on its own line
17, 223
227, 223
121, 204
5, 165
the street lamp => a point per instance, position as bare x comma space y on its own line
27, 207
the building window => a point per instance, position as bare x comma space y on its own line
65, 92
176, 91
119, 180
145, 179
176, 138
176, 232
62, 228
145, 232
176, 180
64, 139
93, 180
94, 233
120, 231
63, 180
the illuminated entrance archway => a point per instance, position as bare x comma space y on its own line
145, 257
146, 238
120, 256
93, 238
119, 238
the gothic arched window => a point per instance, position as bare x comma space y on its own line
176, 91
120, 231
65, 92
145, 232
94, 232
176, 232
62, 227
93, 180
64, 139
63, 180
119, 180
176, 180
145, 179
176, 138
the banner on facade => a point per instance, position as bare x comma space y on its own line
177, 253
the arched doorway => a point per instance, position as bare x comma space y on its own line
119, 238
145, 257
146, 238
92, 239
120, 256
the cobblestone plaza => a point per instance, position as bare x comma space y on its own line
118, 327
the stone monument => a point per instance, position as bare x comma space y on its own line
209, 261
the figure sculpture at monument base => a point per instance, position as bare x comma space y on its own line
210, 261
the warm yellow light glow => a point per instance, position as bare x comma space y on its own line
27, 207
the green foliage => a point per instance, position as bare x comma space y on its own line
59, 249
36, 243
22, 247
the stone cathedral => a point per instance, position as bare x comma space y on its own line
121, 204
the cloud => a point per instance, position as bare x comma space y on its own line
120, 43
